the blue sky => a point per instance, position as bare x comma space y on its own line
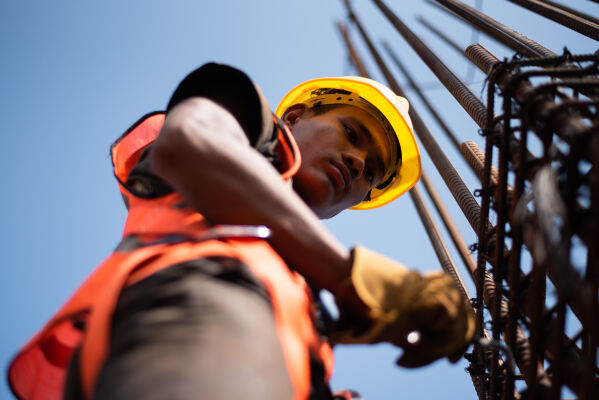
75, 74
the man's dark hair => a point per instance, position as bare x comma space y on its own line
319, 109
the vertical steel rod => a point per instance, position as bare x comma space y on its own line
473, 106
454, 233
447, 263
454, 182
574, 22
572, 11
357, 61
412, 83
488, 293
503, 33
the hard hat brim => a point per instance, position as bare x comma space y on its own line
393, 107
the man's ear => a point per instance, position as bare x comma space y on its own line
292, 113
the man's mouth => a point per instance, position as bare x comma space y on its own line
339, 175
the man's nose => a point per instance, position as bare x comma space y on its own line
355, 164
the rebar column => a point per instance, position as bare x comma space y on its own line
568, 126
488, 292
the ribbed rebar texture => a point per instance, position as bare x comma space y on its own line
503, 33
476, 159
473, 106
481, 57
452, 179
572, 21
420, 94
450, 225
447, 263
572, 11
536, 274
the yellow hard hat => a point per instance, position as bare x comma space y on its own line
379, 101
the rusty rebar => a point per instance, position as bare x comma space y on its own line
568, 126
497, 30
572, 11
571, 359
450, 225
590, 385
481, 57
488, 290
454, 182
476, 159
447, 263
473, 106
521, 344
574, 22
412, 83
357, 61
456, 87
565, 279
548, 340
501, 209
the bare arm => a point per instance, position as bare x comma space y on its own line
203, 153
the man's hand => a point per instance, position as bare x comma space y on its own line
426, 314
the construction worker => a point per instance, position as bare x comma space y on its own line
206, 295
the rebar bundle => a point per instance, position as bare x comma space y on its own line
537, 217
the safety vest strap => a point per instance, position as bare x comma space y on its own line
126, 150
39, 370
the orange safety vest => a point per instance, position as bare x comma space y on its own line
38, 371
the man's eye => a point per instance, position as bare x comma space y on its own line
351, 134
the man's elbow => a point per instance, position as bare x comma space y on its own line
167, 151
196, 130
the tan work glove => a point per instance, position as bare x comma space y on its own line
429, 308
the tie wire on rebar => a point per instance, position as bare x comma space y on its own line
541, 204
455, 183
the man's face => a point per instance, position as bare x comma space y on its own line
345, 153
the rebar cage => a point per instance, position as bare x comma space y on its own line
537, 213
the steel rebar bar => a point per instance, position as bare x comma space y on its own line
450, 225
412, 83
476, 159
473, 106
572, 11
566, 125
357, 61
454, 182
445, 259
491, 295
574, 22
503, 33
